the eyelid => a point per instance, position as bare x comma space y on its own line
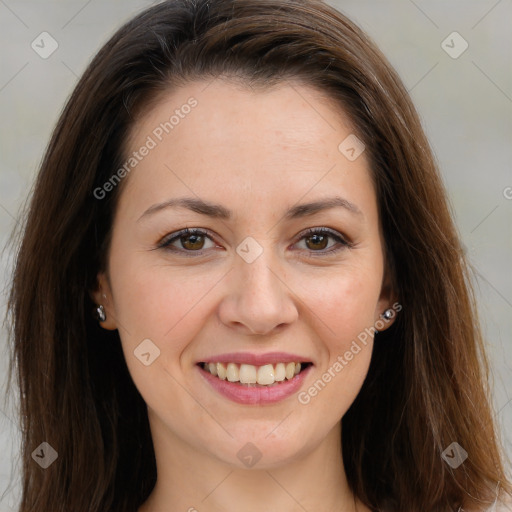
325, 230
165, 242
343, 240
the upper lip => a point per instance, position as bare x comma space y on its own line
256, 359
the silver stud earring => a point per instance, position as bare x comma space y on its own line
100, 313
388, 314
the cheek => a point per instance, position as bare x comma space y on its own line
343, 308
156, 303
344, 300
346, 344
164, 303
159, 302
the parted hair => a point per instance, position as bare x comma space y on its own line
428, 381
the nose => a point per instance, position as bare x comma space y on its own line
258, 300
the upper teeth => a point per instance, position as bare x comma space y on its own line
249, 374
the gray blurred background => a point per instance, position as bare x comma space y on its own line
461, 84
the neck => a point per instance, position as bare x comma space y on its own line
192, 480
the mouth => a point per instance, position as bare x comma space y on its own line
248, 375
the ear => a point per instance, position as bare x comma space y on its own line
388, 302
102, 295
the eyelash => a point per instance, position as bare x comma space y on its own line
166, 242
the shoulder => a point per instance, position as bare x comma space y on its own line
501, 507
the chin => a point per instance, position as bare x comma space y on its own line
261, 451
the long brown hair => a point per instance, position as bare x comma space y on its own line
427, 384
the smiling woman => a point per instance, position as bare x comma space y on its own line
283, 314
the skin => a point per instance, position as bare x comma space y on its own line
257, 153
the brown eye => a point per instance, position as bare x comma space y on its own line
192, 242
315, 242
186, 241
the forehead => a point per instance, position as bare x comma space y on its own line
216, 137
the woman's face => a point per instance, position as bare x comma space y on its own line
255, 291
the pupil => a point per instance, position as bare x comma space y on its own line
195, 240
322, 242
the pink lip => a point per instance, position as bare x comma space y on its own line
254, 394
256, 359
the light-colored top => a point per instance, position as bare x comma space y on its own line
501, 507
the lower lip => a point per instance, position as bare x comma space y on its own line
253, 394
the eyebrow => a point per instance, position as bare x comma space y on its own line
217, 211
